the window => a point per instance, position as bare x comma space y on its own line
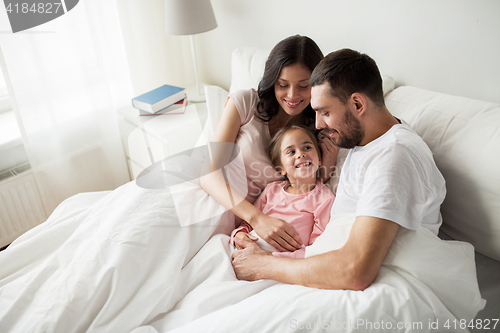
13, 158
4, 95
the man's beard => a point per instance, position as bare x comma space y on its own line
351, 131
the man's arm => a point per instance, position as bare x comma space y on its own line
353, 267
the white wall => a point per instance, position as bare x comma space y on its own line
450, 46
154, 58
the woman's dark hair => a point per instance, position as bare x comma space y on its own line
291, 50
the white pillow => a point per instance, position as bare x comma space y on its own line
463, 135
388, 84
216, 99
247, 67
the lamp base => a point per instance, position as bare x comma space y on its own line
195, 95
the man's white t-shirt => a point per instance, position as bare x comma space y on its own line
395, 178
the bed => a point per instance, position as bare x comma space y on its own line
425, 284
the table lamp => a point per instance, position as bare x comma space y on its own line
190, 17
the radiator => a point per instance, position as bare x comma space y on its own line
20, 207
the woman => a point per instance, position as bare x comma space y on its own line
252, 117
114, 264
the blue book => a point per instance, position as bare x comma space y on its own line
159, 98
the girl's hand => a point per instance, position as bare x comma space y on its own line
245, 236
280, 234
329, 153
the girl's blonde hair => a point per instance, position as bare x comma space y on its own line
274, 148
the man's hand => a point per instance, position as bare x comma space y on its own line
329, 153
280, 234
249, 263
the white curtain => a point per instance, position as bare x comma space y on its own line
67, 79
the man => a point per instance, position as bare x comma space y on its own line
389, 180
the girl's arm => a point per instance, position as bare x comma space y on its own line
322, 214
276, 232
243, 228
298, 254
246, 236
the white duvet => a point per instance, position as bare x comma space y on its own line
424, 285
102, 262
138, 260
119, 262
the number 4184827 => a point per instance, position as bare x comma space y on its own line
41, 8
485, 324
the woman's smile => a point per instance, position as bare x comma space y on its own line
292, 104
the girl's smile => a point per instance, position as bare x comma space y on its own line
299, 159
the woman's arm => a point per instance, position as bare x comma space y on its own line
276, 232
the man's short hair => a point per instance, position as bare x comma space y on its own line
348, 71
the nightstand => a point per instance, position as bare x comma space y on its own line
149, 139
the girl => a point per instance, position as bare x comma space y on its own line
302, 199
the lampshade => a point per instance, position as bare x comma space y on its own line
189, 17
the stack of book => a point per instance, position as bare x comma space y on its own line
166, 99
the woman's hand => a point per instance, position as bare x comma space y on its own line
245, 236
329, 153
280, 234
